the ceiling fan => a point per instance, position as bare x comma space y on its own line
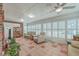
58, 7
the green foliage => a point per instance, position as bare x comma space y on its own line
13, 49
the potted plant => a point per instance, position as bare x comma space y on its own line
13, 49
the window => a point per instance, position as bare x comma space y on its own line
70, 34
37, 32
54, 30
61, 25
77, 32
48, 33
25, 29
54, 25
61, 33
48, 29
44, 28
54, 33
38, 29
78, 24
57, 29
29, 28
49, 26
61, 29
71, 24
71, 28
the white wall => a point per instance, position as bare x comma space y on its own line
8, 26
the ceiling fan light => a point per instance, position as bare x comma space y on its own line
31, 16
59, 9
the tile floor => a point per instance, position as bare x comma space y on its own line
30, 48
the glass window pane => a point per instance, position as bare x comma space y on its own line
44, 30
31, 26
48, 33
71, 24
25, 29
44, 26
29, 30
78, 24
61, 33
37, 32
77, 33
54, 33
70, 34
34, 27
61, 25
48, 25
54, 24
37, 26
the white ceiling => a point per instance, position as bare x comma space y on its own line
18, 11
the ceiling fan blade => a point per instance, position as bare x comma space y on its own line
69, 7
63, 4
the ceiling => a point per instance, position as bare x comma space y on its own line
18, 11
